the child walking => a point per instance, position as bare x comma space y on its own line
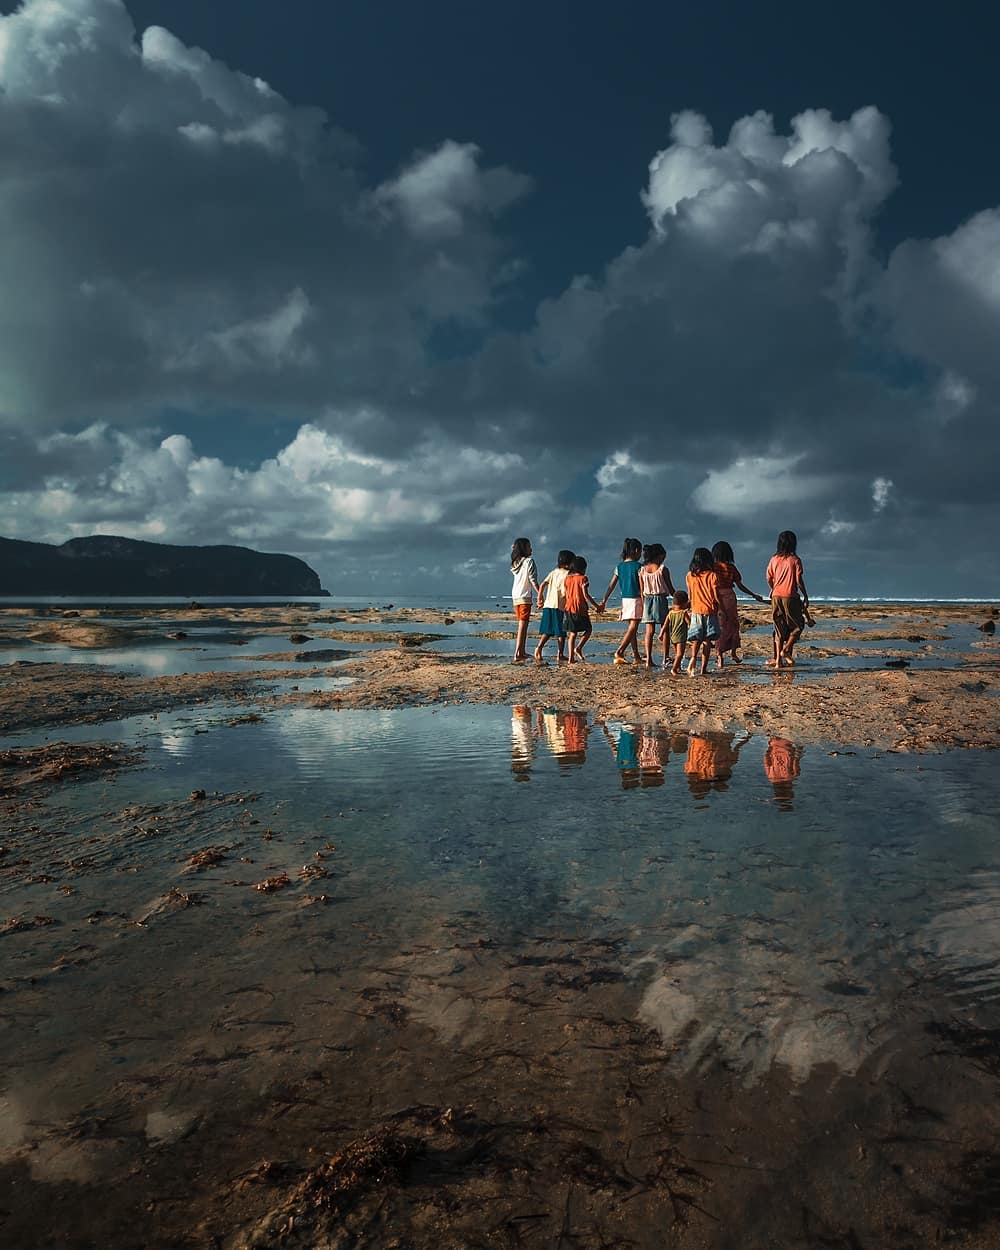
552, 600
626, 576
577, 617
654, 578
522, 566
703, 588
729, 618
675, 630
789, 598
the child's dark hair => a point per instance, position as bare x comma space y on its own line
520, 548
654, 553
723, 552
579, 565
787, 542
681, 598
631, 549
701, 561
565, 559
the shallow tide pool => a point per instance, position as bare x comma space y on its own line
482, 906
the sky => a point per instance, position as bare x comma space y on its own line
386, 285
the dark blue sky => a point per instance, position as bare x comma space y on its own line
579, 94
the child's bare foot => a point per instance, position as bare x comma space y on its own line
720, 663
675, 671
736, 659
704, 669
772, 663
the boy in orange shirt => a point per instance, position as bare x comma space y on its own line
577, 617
703, 591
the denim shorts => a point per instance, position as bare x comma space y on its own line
654, 609
704, 627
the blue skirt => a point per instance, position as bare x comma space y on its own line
552, 623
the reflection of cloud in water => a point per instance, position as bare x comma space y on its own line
964, 935
310, 734
763, 1009
176, 744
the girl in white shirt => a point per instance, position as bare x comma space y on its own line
522, 566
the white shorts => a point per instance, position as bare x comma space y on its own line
631, 609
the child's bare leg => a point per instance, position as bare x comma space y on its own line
520, 651
584, 637
561, 645
775, 660
695, 646
789, 646
571, 638
649, 644
675, 668
541, 645
629, 639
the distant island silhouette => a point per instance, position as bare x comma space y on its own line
109, 565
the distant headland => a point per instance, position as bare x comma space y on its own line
108, 565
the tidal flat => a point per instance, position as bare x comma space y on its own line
411, 946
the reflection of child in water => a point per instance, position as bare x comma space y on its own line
566, 736
781, 763
574, 736
522, 743
641, 751
710, 761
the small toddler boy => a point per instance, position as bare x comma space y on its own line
674, 632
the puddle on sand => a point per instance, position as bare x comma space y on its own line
620, 950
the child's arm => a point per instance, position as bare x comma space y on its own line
804, 595
541, 591
747, 591
533, 577
607, 593
663, 630
587, 595
666, 577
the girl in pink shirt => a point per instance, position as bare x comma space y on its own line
789, 599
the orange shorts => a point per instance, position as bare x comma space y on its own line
522, 611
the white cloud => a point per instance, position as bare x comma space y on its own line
752, 484
881, 488
760, 187
439, 190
